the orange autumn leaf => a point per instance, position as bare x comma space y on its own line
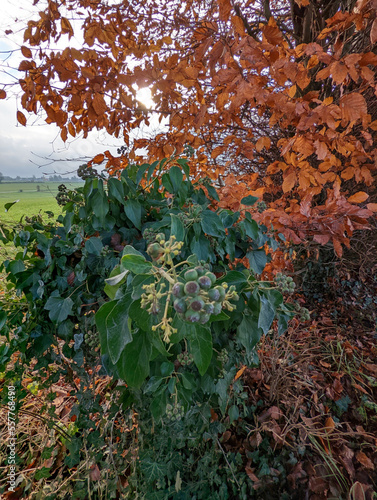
329, 425
358, 197
239, 373
372, 207
26, 52
353, 107
98, 159
21, 118
289, 182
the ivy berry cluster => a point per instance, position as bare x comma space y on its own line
196, 298
91, 338
285, 283
174, 412
185, 358
86, 172
63, 195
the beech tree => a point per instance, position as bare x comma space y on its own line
277, 98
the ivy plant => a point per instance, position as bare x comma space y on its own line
138, 275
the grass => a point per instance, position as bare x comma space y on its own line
31, 201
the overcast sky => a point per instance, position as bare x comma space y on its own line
30, 150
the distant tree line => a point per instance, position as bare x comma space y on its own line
51, 178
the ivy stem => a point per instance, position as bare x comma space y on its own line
165, 275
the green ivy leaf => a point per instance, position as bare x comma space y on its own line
94, 245
118, 332
211, 224
176, 178
3, 319
99, 205
257, 260
153, 384
116, 189
177, 228
249, 200
114, 281
132, 209
138, 282
58, 307
248, 333
266, 315
133, 363
141, 316
16, 266
7, 206
250, 227
136, 263
235, 278
100, 318
200, 342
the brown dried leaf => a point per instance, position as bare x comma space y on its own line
373, 32
21, 118
364, 460
94, 473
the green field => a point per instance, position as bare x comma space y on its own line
31, 201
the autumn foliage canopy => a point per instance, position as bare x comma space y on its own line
277, 98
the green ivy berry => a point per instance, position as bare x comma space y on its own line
200, 270
192, 316
204, 318
208, 308
191, 288
197, 304
191, 275
180, 305
211, 276
214, 294
178, 290
205, 282
221, 291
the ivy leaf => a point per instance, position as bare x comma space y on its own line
235, 278
249, 333
7, 206
94, 245
117, 327
99, 205
249, 200
3, 319
176, 177
211, 224
250, 227
266, 315
133, 363
116, 277
100, 318
136, 263
116, 190
58, 307
200, 343
132, 209
177, 228
141, 316
257, 260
